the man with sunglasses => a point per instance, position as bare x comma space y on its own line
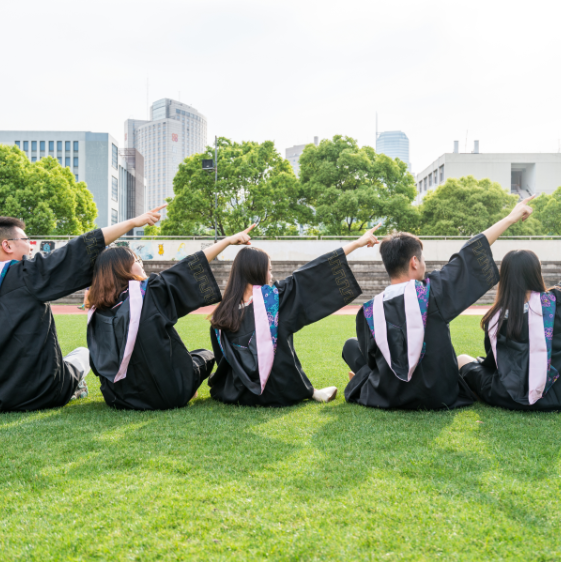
33, 373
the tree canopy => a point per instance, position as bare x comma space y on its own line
255, 184
44, 195
466, 206
352, 187
547, 210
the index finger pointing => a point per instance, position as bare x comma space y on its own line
250, 228
156, 209
376, 227
530, 198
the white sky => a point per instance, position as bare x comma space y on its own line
286, 71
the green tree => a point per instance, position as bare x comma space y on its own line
466, 206
255, 184
44, 194
547, 209
351, 187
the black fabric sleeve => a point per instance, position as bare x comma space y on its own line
186, 286
66, 270
464, 279
316, 290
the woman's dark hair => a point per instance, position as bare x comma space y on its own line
521, 271
397, 250
251, 266
111, 276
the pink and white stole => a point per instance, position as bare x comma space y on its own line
263, 337
135, 304
538, 364
415, 328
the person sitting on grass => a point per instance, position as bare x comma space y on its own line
252, 328
403, 355
522, 341
33, 373
134, 346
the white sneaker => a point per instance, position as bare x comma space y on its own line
325, 394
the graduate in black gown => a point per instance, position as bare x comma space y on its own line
33, 372
252, 328
403, 355
522, 341
135, 349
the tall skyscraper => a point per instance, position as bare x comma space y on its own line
92, 158
293, 154
175, 131
394, 144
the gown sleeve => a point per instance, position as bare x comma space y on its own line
186, 286
464, 279
316, 290
64, 271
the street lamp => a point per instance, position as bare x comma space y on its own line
209, 165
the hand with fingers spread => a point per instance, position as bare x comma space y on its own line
150, 218
367, 239
242, 238
522, 210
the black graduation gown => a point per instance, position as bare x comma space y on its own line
507, 387
435, 382
32, 373
311, 293
160, 374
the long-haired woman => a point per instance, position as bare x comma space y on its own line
522, 340
252, 328
134, 347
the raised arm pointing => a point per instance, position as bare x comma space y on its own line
520, 213
115, 231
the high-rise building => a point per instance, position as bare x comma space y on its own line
133, 186
175, 130
394, 144
293, 154
92, 157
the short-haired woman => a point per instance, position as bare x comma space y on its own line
134, 347
522, 341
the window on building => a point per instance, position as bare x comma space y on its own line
59, 158
115, 157
435, 177
33, 146
425, 180
67, 161
25, 146
114, 216
51, 146
17, 144
441, 174
42, 146
75, 146
76, 176
114, 188
59, 146
67, 146
75, 161
430, 180
34, 158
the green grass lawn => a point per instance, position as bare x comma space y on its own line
313, 482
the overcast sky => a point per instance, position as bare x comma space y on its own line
285, 71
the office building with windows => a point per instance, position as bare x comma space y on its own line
293, 154
521, 174
175, 130
394, 144
92, 157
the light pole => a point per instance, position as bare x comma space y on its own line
213, 165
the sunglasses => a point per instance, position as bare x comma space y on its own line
24, 239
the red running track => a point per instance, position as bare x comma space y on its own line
350, 310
